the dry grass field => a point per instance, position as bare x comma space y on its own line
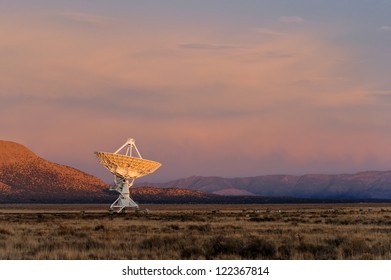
356, 231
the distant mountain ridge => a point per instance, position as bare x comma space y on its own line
28, 178
368, 185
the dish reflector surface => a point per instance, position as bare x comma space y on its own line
125, 166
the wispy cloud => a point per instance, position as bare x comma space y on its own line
382, 91
268, 31
386, 28
86, 18
381, 95
207, 46
275, 54
291, 19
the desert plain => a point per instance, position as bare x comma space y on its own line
196, 231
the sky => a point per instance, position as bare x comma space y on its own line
210, 88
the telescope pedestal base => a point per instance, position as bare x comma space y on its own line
122, 186
123, 202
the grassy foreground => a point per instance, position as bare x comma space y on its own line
197, 232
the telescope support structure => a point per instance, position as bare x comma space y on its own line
122, 186
126, 168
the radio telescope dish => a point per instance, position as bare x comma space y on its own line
126, 167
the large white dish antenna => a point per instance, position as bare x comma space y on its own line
126, 167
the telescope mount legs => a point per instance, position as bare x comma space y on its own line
122, 186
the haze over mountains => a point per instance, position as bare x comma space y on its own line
25, 177
369, 185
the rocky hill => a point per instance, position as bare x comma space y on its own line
367, 185
25, 177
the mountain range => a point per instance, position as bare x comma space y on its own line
28, 178
368, 185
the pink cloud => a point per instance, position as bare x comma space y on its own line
291, 19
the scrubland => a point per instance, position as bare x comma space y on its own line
285, 232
